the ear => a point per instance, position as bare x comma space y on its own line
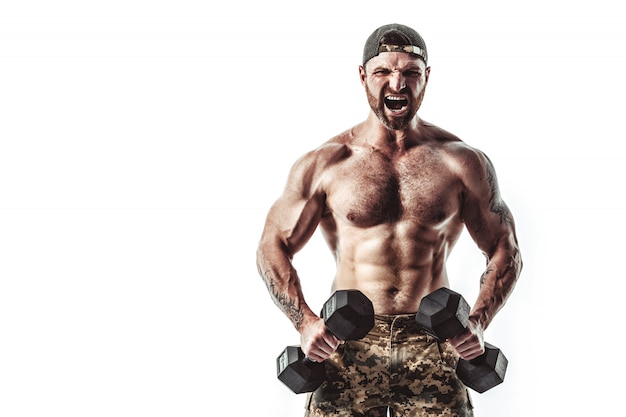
427, 74
362, 74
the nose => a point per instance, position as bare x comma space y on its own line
397, 81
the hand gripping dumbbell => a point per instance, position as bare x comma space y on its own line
444, 314
349, 315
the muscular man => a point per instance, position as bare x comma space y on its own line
391, 196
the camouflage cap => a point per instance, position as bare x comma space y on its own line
395, 37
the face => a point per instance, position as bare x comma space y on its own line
395, 83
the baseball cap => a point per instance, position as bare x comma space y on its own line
395, 37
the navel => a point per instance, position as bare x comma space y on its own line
393, 291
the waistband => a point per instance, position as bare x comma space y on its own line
387, 322
397, 326
390, 318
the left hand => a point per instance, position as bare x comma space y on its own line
470, 344
317, 342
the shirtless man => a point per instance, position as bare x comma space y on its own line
392, 195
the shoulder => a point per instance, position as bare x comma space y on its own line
309, 169
332, 151
463, 158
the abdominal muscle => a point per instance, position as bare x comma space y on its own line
393, 271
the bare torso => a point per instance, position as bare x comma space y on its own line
392, 218
391, 196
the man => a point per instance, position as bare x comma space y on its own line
392, 195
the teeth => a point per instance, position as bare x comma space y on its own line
396, 103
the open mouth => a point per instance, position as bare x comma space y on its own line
396, 103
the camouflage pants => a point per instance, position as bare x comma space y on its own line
397, 367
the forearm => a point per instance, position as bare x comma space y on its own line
497, 283
283, 284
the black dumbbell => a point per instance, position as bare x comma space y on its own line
349, 315
444, 314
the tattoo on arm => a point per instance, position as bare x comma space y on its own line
484, 275
285, 303
499, 274
497, 205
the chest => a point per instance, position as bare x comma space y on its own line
369, 188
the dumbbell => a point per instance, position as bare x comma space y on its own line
444, 314
349, 315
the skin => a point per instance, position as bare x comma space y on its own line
391, 196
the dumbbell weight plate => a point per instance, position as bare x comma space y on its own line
348, 314
484, 372
297, 372
443, 313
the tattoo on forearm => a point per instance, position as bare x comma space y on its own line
285, 303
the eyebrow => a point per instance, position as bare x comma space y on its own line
410, 68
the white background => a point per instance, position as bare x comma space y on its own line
142, 143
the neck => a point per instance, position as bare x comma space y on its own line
381, 137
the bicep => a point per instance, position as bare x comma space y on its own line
486, 215
294, 217
292, 220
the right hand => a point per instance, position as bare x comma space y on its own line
317, 342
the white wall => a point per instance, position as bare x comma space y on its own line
142, 142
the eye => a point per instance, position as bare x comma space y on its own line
413, 73
381, 71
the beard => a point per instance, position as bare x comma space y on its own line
377, 104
